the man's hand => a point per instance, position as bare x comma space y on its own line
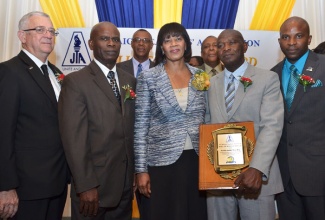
249, 182
89, 202
8, 203
143, 184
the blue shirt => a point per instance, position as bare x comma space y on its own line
286, 70
237, 74
145, 65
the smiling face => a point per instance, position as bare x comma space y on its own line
174, 47
294, 38
141, 45
105, 43
231, 49
40, 45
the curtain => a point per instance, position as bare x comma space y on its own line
206, 14
166, 11
125, 13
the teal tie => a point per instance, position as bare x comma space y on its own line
293, 82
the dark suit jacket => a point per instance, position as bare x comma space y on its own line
128, 66
31, 153
301, 151
97, 133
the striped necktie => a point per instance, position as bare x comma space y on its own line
292, 86
113, 83
139, 70
230, 93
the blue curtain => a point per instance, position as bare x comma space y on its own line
207, 14
126, 13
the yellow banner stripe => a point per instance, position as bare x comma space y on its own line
270, 14
166, 11
63, 13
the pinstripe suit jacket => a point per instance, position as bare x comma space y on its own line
161, 126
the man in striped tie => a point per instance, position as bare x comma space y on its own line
241, 93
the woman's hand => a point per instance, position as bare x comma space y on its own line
143, 184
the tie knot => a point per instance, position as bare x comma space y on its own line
293, 70
44, 68
110, 75
140, 65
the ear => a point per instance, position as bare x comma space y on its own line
22, 36
90, 44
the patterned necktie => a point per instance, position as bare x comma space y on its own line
213, 72
230, 93
293, 82
112, 82
139, 70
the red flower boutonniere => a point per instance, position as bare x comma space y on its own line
129, 93
246, 82
306, 81
59, 77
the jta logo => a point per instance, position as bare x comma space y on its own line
77, 53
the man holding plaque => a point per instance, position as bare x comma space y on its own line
242, 93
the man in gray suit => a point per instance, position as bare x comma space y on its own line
212, 64
260, 102
301, 151
97, 123
141, 45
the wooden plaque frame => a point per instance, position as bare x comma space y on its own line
208, 178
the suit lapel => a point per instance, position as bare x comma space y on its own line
311, 63
165, 87
101, 81
39, 78
240, 92
219, 88
124, 79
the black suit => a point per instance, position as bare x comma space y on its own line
32, 160
301, 151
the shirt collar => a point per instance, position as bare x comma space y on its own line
238, 73
104, 68
299, 64
37, 61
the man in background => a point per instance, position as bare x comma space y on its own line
33, 168
141, 45
212, 64
96, 118
301, 151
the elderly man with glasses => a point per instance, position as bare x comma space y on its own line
33, 169
141, 45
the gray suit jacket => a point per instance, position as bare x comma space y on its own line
127, 66
301, 151
262, 103
97, 133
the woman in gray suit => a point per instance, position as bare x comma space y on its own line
168, 114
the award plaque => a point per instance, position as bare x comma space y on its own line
225, 150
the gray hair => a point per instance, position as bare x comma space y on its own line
23, 23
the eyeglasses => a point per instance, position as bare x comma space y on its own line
43, 30
143, 40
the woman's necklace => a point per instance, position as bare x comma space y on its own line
179, 92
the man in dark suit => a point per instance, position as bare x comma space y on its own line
96, 118
212, 64
301, 151
141, 45
33, 168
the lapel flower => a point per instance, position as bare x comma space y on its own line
129, 93
201, 80
59, 77
306, 81
246, 82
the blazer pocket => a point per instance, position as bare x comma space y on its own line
317, 151
100, 161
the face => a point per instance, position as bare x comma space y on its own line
174, 48
194, 62
141, 45
209, 51
231, 49
294, 39
105, 43
40, 45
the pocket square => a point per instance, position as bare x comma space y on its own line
318, 83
